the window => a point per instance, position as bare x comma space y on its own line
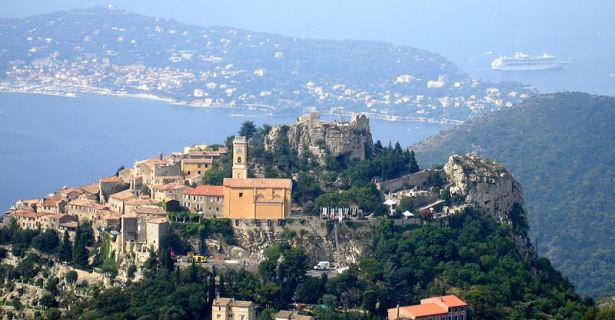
236, 223
241, 194
218, 316
461, 317
238, 159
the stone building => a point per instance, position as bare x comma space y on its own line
168, 192
198, 166
117, 201
206, 199
84, 209
109, 186
231, 309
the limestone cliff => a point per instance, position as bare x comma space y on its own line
488, 187
349, 139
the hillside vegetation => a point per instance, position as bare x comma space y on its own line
561, 147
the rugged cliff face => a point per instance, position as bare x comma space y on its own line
488, 187
349, 139
322, 239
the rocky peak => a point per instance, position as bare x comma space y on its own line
488, 187
351, 139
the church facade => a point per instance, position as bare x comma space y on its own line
254, 198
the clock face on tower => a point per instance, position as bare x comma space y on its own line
238, 150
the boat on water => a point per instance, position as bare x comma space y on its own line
524, 62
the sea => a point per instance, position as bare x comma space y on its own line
48, 142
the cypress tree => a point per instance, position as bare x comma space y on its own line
66, 249
412, 164
80, 253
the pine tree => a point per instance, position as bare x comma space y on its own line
66, 249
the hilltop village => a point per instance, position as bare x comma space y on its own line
266, 223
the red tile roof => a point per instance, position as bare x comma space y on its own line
205, 190
257, 183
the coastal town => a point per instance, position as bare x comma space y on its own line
208, 68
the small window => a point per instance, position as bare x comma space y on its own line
238, 159
241, 194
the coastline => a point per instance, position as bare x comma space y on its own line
100, 92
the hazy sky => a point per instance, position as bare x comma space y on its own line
433, 24
461, 30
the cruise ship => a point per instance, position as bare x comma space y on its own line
524, 62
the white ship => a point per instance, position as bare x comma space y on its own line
524, 62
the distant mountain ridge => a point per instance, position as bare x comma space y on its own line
561, 147
109, 51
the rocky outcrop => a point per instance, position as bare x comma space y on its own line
352, 140
489, 188
321, 239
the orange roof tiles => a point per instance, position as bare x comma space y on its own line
111, 179
429, 307
257, 183
205, 190
90, 188
450, 301
86, 203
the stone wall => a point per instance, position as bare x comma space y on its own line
409, 181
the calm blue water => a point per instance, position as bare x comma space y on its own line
47, 142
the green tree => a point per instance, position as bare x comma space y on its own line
412, 164
66, 250
248, 129
71, 277
80, 252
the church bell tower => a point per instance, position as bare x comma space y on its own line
240, 157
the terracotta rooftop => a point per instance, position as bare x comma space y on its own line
158, 221
90, 188
169, 186
86, 203
51, 202
106, 214
198, 160
150, 210
222, 302
421, 310
205, 190
139, 202
449, 300
71, 190
429, 307
257, 183
28, 213
123, 195
111, 179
